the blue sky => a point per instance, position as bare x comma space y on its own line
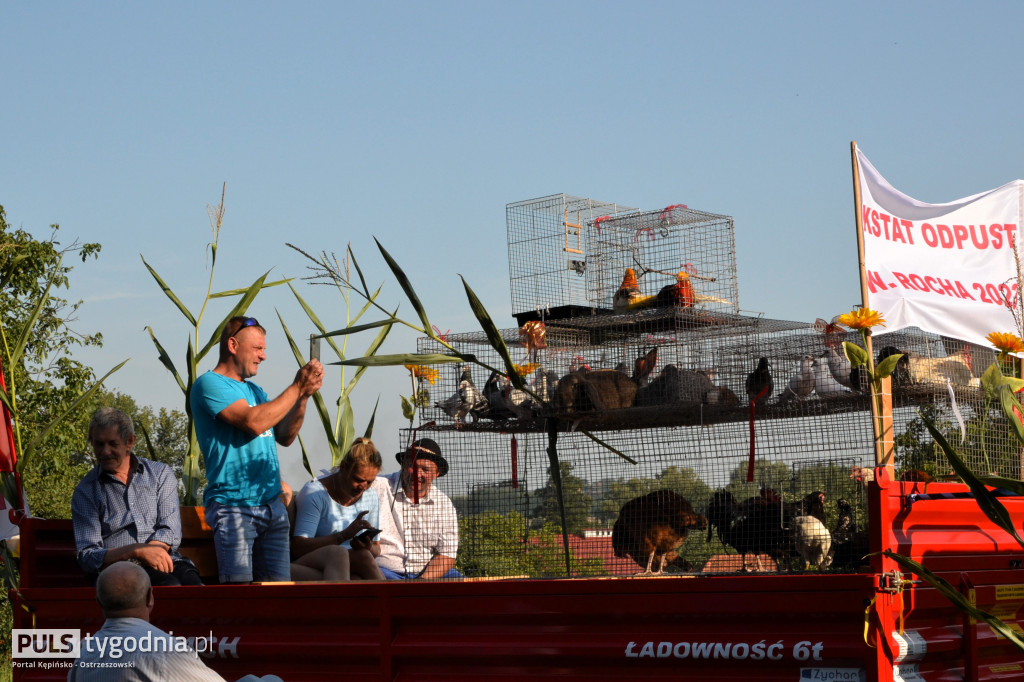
334, 122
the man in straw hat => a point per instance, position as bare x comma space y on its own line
419, 529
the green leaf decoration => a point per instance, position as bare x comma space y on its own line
41, 437
855, 354
410, 293
1014, 412
170, 294
958, 600
987, 502
887, 366
402, 359
407, 409
493, 335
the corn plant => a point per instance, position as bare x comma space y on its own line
340, 430
194, 354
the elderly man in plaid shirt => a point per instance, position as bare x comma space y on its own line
126, 507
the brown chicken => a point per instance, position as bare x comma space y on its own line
654, 525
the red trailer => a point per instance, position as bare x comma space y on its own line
878, 625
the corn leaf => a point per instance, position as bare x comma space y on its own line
404, 359
1014, 413
958, 600
370, 351
237, 292
987, 502
239, 309
75, 404
359, 271
358, 328
6, 400
19, 347
305, 458
493, 335
410, 293
348, 429
170, 294
373, 417
318, 400
1011, 484
165, 359
608, 447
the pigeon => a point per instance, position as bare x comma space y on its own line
466, 400
825, 384
505, 401
544, 384
843, 372
800, 384
759, 382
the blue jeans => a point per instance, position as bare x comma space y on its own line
395, 575
250, 541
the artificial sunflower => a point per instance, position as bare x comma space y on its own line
862, 318
526, 369
1006, 343
424, 373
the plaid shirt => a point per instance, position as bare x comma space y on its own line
411, 534
107, 513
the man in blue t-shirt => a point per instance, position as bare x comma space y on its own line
238, 429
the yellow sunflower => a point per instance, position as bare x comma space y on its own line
1006, 343
421, 372
863, 318
527, 369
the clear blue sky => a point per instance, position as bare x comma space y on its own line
333, 122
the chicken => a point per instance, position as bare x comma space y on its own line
654, 525
751, 528
811, 540
628, 292
801, 384
956, 367
759, 384
849, 546
679, 294
825, 384
466, 400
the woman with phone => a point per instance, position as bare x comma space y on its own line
340, 510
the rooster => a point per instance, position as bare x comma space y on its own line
755, 527
759, 384
956, 367
849, 546
654, 525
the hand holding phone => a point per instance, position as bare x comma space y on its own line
368, 535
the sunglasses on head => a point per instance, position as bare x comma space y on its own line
247, 322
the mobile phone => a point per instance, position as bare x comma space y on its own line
314, 347
368, 534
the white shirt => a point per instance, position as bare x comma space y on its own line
162, 660
411, 534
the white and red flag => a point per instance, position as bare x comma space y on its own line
945, 268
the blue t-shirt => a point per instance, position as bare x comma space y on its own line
242, 470
317, 513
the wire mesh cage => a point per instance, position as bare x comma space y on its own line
686, 443
660, 247
547, 247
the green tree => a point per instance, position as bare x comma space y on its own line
577, 502
42, 378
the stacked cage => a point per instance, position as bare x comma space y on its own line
675, 434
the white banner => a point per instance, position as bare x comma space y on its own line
946, 268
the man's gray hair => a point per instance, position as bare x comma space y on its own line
111, 417
122, 586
